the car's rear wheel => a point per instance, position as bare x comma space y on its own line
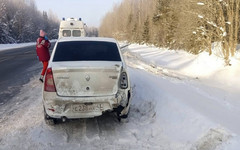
48, 119
123, 118
50, 122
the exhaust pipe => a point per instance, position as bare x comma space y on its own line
64, 119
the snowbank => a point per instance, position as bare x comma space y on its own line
202, 66
12, 46
4, 47
200, 104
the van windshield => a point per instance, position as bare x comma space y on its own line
86, 51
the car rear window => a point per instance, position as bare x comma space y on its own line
86, 51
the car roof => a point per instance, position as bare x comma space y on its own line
101, 39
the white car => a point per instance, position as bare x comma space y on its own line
85, 77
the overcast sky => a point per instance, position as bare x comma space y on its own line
91, 11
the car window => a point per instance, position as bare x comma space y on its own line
86, 51
66, 33
76, 33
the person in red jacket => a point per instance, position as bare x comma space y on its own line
42, 48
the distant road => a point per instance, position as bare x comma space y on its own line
17, 67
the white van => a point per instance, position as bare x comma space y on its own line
71, 27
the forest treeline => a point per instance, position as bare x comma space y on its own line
91, 31
20, 21
192, 25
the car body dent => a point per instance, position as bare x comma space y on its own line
62, 105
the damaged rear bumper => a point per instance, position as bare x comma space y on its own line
85, 107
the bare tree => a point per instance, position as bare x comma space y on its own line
192, 25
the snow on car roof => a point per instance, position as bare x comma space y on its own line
65, 39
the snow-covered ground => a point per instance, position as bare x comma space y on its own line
180, 102
4, 47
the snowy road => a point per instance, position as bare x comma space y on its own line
18, 64
169, 111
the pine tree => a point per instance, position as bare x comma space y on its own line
18, 25
5, 36
45, 21
129, 27
21, 22
145, 35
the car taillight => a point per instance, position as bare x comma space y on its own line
49, 85
124, 80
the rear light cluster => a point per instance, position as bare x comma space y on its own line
124, 80
49, 85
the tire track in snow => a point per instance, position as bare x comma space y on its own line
202, 101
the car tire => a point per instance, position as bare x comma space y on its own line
124, 118
49, 120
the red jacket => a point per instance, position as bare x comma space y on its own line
42, 48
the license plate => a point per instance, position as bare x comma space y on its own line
86, 108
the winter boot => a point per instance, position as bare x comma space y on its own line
41, 78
